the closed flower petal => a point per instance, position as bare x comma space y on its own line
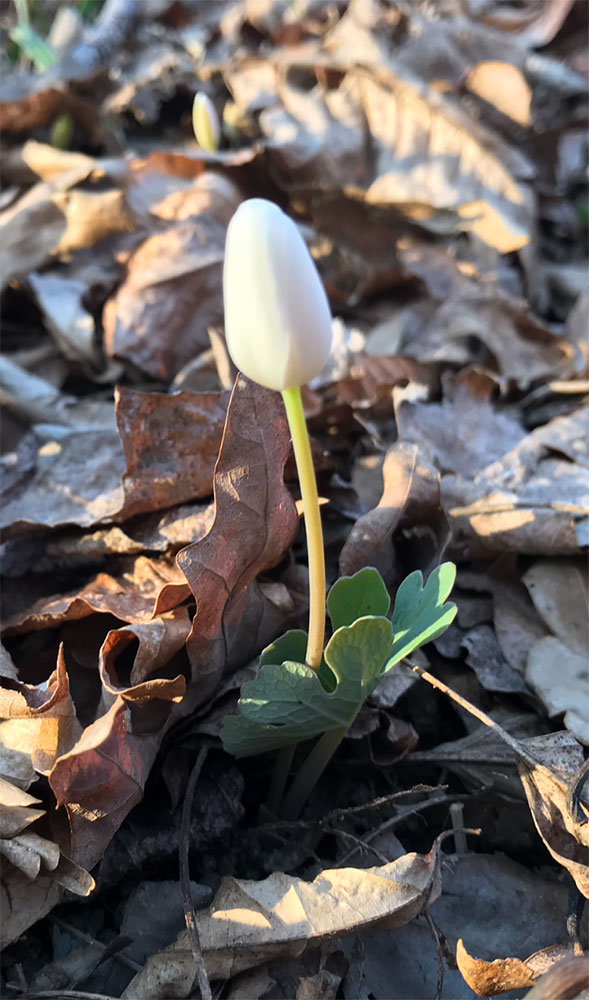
205, 122
277, 317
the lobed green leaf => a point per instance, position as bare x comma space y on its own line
357, 596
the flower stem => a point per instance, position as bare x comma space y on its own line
302, 451
311, 771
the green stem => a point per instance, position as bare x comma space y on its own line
311, 771
282, 764
302, 451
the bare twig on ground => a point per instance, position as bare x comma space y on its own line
189, 913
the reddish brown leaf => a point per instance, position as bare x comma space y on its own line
145, 588
160, 315
171, 445
255, 524
158, 641
99, 781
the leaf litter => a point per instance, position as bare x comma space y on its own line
151, 544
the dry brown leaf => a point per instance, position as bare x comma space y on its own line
143, 589
485, 657
37, 724
24, 106
517, 624
371, 379
60, 300
24, 901
533, 24
559, 591
504, 86
158, 641
547, 780
411, 496
462, 434
487, 979
250, 923
54, 217
255, 524
100, 780
76, 479
171, 445
15, 809
159, 317
533, 500
509, 341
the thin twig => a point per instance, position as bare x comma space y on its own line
189, 914
468, 706
394, 821
83, 936
439, 953
68, 995
332, 831
383, 800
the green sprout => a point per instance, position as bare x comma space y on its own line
278, 330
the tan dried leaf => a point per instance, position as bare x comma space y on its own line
487, 979
547, 779
250, 923
37, 724
411, 495
504, 86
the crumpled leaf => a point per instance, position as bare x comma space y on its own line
487, 979
15, 809
56, 217
533, 500
462, 434
504, 86
33, 870
255, 524
37, 725
289, 702
76, 479
99, 781
82, 476
158, 641
509, 340
411, 497
173, 284
142, 589
250, 923
559, 591
547, 778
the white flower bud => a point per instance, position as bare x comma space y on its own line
205, 122
277, 317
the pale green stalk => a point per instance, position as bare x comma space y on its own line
316, 636
304, 459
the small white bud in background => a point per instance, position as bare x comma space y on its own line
205, 122
277, 317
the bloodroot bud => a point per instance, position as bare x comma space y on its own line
205, 122
277, 317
